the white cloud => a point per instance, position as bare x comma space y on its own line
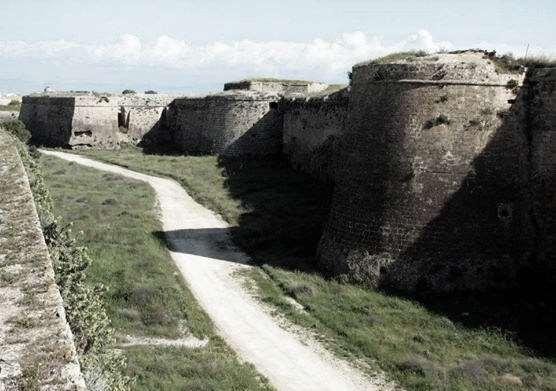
317, 59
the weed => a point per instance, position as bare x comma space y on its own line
512, 84
440, 120
442, 99
30, 378
18, 129
7, 278
400, 56
23, 321
487, 111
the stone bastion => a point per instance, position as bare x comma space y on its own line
443, 165
432, 193
92, 119
230, 123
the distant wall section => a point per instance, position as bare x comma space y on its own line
277, 86
90, 119
235, 123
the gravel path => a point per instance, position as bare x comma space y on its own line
201, 249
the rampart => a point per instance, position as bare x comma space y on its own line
278, 86
231, 123
312, 129
443, 165
433, 194
36, 344
92, 119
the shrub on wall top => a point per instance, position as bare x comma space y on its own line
18, 129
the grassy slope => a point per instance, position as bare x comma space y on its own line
145, 295
418, 348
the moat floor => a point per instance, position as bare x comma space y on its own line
200, 246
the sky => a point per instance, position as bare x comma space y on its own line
195, 46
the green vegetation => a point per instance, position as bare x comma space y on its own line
277, 214
144, 293
508, 63
419, 349
125, 92
416, 345
18, 129
441, 119
101, 363
400, 56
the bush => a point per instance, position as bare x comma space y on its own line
14, 102
18, 129
126, 92
151, 92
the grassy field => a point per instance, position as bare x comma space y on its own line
145, 295
279, 215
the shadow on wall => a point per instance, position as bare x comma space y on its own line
158, 141
264, 138
285, 211
485, 238
51, 122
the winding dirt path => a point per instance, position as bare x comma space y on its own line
201, 249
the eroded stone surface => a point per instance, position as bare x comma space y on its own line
36, 344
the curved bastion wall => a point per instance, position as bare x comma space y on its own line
432, 191
231, 123
312, 129
91, 119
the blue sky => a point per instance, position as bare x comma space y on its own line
195, 46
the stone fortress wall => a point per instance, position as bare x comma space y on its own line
312, 129
231, 123
443, 165
91, 119
42, 353
541, 123
434, 191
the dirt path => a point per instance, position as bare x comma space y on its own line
201, 249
